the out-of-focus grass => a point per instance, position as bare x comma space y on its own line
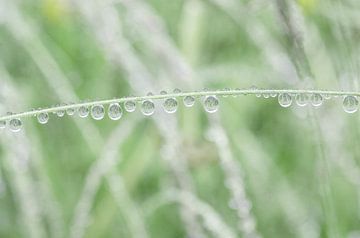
275, 147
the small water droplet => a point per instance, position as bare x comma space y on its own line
83, 111
163, 92
285, 99
266, 95
350, 104
211, 104
2, 124
60, 113
70, 111
316, 100
115, 112
189, 101
302, 99
253, 88
176, 90
273, 95
43, 117
130, 106
147, 107
97, 112
327, 96
15, 125
149, 94
170, 105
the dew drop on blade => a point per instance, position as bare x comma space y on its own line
43, 117
147, 107
302, 99
15, 125
189, 101
170, 105
266, 95
2, 124
70, 111
83, 111
316, 100
97, 112
285, 99
163, 92
350, 104
211, 104
115, 112
226, 90
130, 106
176, 90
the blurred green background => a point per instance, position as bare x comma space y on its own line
253, 169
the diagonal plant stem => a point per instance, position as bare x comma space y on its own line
236, 92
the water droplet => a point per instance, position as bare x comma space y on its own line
211, 104
115, 112
15, 125
285, 99
147, 107
2, 124
350, 104
253, 88
163, 92
316, 100
266, 95
70, 111
130, 106
273, 95
149, 94
170, 105
302, 99
43, 117
327, 96
60, 113
189, 101
97, 112
176, 90
83, 111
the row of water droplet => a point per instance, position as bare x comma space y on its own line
350, 102
115, 111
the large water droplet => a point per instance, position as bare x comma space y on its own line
147, 107
130, 106
170, 105
316, 100
302, 99
350, 104
2, 124
115, 112
83, 111
43, 117
15, 125
285, 99
97, 112
211, 104
189, 101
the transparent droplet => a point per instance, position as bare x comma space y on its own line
163, 92
266, 95
147, 107
83, 111
2, 124
302, 99
115, 112
97, 112
70, 111
130, 106
211, 104
15, 125
176, 90
285, 99
60, 113
327, 96
149, 94
43, 117
189, 101
273, 95
350, 104
316, 100
170, 105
